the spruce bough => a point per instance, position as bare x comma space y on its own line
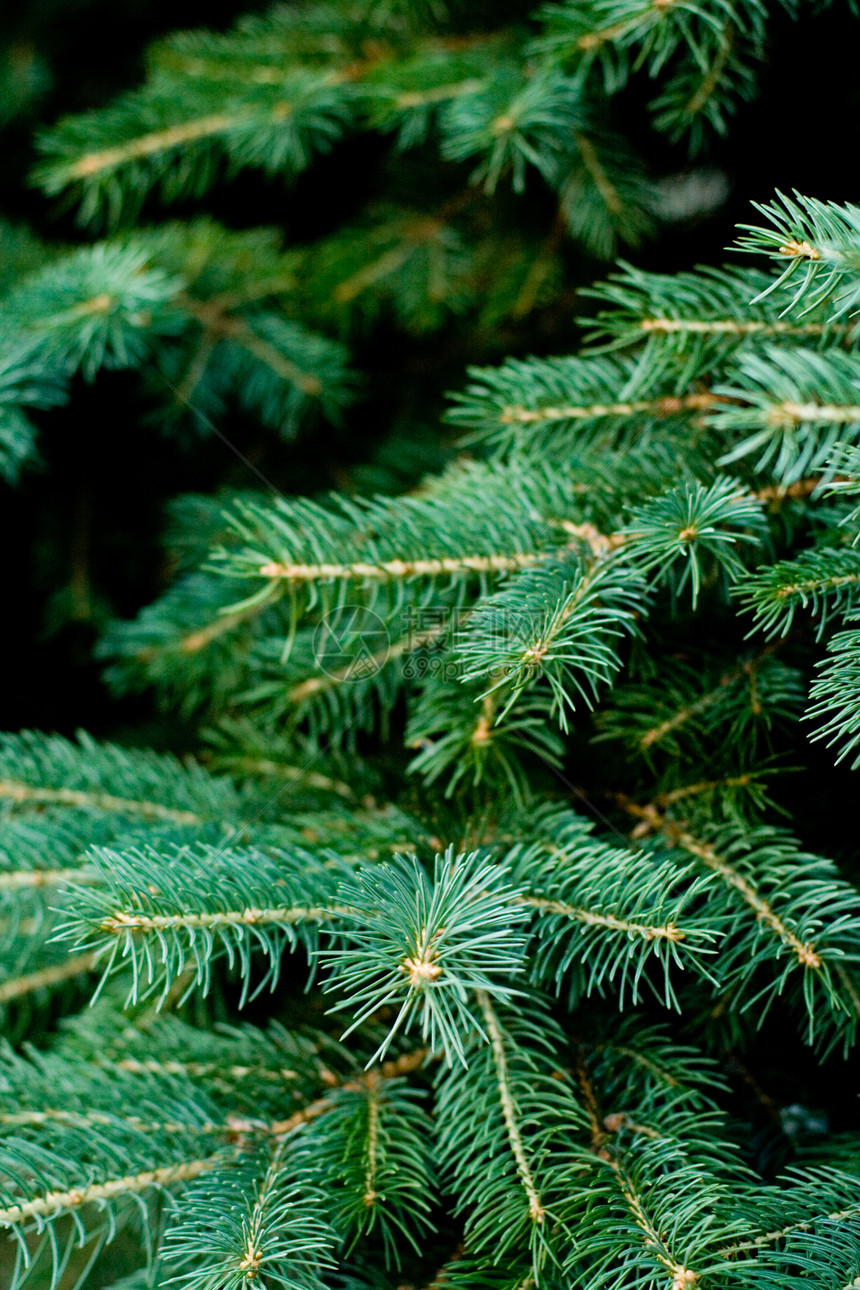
494, 768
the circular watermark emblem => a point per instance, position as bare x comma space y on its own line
351, 643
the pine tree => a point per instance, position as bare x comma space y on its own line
485, 941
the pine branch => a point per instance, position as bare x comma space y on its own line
816, 242
699, 319
423, 946
498, 1128
611, 920
370, 1147
799, 405
167, 912
255, 1218
822, 580
689, 523
834, 694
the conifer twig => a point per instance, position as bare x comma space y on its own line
54, 1202
537, 1213
391, 569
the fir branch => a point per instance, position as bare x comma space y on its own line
683, 1277
252, 1219
698, 319
101, 306
537, 1213
649, 931
39, 769
582, 399
190, 644
267, 1156
164, 135
797, 405
147, 144
26, 381
610, 919
499, 1128
424, 946
635, 1169
12, 880
651, 813
121, 921
381, 540
813, 932
655, 407
560, 624
691, 522
834, 694
586, 31
743, 673
390, 569
477, 750
763, 910
818, 240
196, 904
513, 122
110, 1189
823, 580
712, 704
314, 685
647, 1072
371, 1143
820, 1237
604, 195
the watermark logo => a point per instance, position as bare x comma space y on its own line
429, 635
351, 643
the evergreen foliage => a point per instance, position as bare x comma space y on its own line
501, 1031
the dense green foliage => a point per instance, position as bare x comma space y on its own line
501, 824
